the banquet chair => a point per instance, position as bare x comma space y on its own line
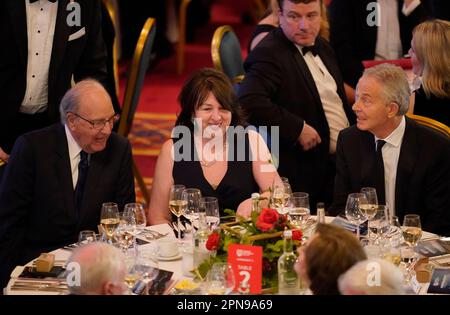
114, 50
226, 53
133, 89
181, 34
434, 124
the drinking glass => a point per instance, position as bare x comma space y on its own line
133, 274
193, 196
299, 210
281, 191
220, 279
379, 225
353, 209
86, 237
370, 209
412, 229
409, 257
178, 204
109, 220
137, 210
125, 231
210, 205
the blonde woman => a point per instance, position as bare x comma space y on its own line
431, 65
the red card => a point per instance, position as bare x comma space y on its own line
246, 261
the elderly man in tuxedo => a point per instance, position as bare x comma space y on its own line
407, 163
58, 178
293, 82
46, 43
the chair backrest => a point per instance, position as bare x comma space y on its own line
226, 53
434, 124
115, 45
136, 75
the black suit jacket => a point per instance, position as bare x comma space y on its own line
83, 57
423, 173
37, 212
279, 90
354, 40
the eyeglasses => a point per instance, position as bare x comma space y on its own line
100, 124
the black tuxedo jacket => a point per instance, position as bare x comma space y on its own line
82, 57
423, 173
37, 211
279, 90
354, 40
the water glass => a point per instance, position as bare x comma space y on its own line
86, 237
299, 210
220, 280
210, 206
353, 210
140, 218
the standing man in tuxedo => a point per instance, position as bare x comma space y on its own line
293, 82
44, 44
355, 37
407, 163
58, 177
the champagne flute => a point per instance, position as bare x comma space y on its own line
137, 210
353, 209
412, 229
210, 206
109, 219
370, 208
177, 204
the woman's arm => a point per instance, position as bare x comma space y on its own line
264, 171
158, 211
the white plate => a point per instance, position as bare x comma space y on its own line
170, 258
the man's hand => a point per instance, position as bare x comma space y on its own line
309, 137
3, 156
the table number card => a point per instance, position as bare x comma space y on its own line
246, 261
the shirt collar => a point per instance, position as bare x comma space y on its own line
396, 136
74, 147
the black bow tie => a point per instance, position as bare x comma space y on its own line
312, 49
33, 1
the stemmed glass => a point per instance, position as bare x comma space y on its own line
370, 209
125, 231
353, 210
86, 237
412, 232
109, 219
299, 210
210, 205
379, 225
137, 210
178, 203
220, 279
281, 191
193, 196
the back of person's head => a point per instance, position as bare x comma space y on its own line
331, 252
196, 89
431, 44
395, 85
102, 269
71, 100
372, 277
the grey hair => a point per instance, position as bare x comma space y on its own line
71, 99
395, 84
360, 279
106, 263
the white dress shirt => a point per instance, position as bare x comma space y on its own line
391, 153
41, 19
74, 155
331, 102
389, 44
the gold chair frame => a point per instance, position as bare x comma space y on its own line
434, 124
182, 13
215, 49
113, 15
124, 126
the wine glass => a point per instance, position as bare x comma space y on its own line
412, 229
210, 205
193, 196
137, 210
220, 279
86, 237
409, 257
125, 231
178, 203
280, 194
109, 220
379, 225
353, 210
299, 210
370, 209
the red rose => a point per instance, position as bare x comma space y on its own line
263, 226
297, 235
213, 241
270, 216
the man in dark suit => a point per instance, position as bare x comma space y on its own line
355, 38
293, 82
44, 44
58, 178
407, 163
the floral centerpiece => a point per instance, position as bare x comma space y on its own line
264, 229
